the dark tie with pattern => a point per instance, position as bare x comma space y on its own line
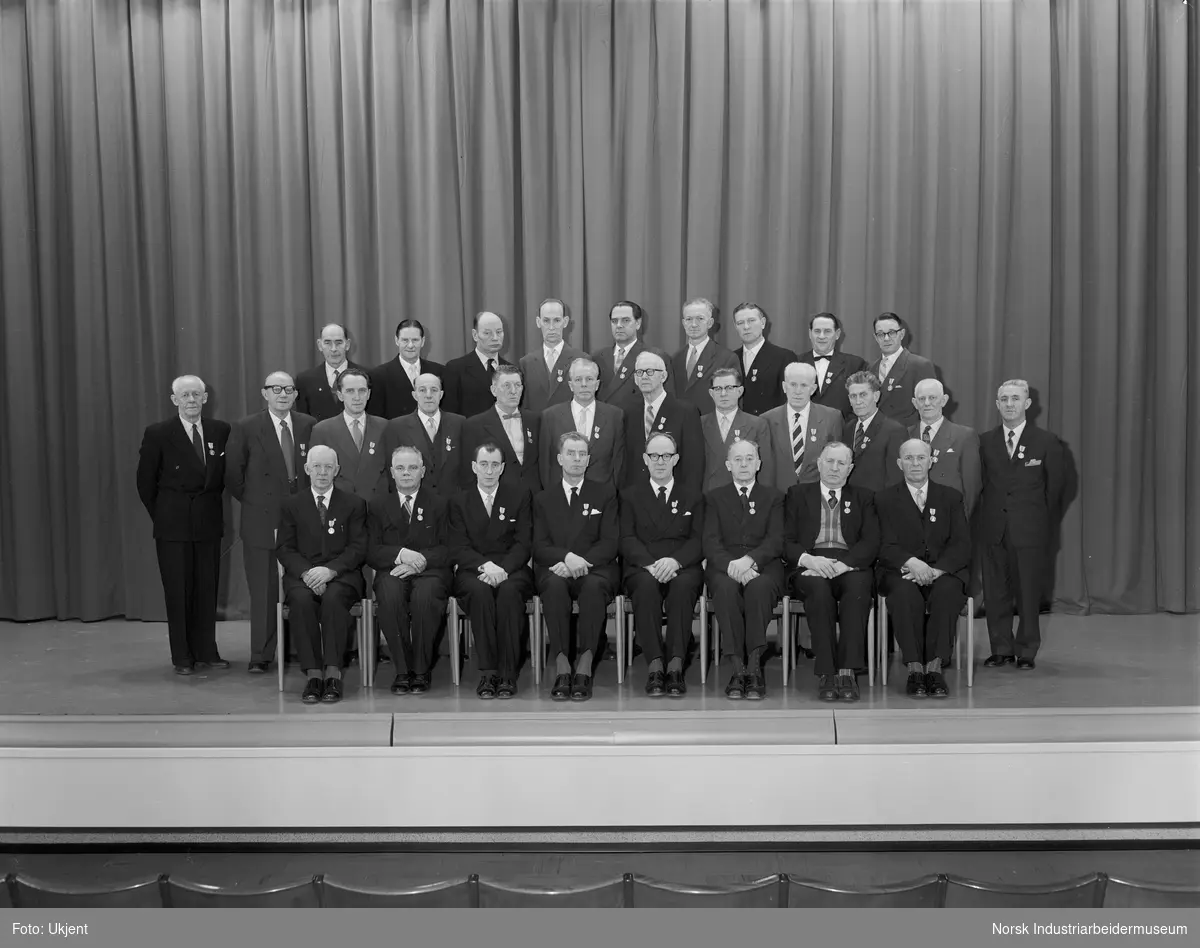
288, 446
198, 444
832, 501
926, 435
860, 436
322, 510
1011, 444
798, 445
745, 495
407, 509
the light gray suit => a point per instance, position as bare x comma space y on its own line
824, 425
362, 473
745, 427
955, 450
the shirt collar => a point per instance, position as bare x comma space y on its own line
825, 491
331, 373
669, 485
552, 350
699, 346
578, 411
1019, 430
483, 494
501, 413
866, 423
803, 412
934, 427
817, 356
317, 494
567, 488
277, 421
890, 360
728, 415
913, 490
753, 350
483, 359
361, 419
657, 403
436, 417
187, 426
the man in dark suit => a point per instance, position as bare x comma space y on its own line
728, 424
393, 383
491, 531
954, 448
180, 479
656, 412
322, 547
743, 541
693, 365
575, 536
435, 433
316, 387
877, 438
545, 371
407, 546
602, 425
924, 555
762, 362
831, 541
467, 380
1022, 501
617, 361
514, 429
898, 370
799, 429
357, 438
832, 366
264, 463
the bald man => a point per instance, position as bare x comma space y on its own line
953, 449
467, 380
180, 479
799, 429
316, 387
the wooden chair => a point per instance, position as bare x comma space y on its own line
1128, 893
769, 892
1084, 892
458, 630
602, 895
26, 892
538, 641
364, 616
182, 894
795, 607
927, 892
882, 658
450, 893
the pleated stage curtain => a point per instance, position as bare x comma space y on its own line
198, 185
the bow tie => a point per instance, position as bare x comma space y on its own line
515, 414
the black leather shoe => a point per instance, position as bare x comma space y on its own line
312, 691
935, 682
257, 668
995, 661
333, 691
827, 688
656, 685
847, 686
562, 688
403, 683
807, 653
383, 657
1026, 664
421, 683
754, 685
736, 689
581, 687
217, 662
487, 687
915, 687
185, 669
507, 688
676, 686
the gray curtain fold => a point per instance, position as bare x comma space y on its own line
198, 185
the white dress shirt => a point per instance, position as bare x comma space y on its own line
922, 489
411, 369
749, 352
188, 426
431, 422
934, 428
886, 363
551, 354
331, 374
1017, 431
669, 485
583, 415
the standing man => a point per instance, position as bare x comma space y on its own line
877, 438
898, 370
407, 546
545, 372
617, 361
435, 433
832, 539
925, 555
743, 542
322, 546
491, 532
180, 479
954, 449
467, 380
656, 412
316, 387
264, 464
357, 438
762, 362
603, 426
728, 424
693, 365
1022, 500
514, 429
575, 536
799, 429
832, 366
393, 383
662, 535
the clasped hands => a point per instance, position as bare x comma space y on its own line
742, 570
491, 574
824, 566
919, 572
408, 563
572, 566
664, 569
317, 578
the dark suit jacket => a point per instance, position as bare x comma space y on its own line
504, 538
304, 543
895, 400
1023, 494
832, 390
938, 537
730, 533
682, 420
764, 382
591, 531
364, 472
487, 426
181, 493
257, 476
824, 425
955, 460
428, 532
542, 389
391, 390
876, 468
443, 456
606, 444
650, 530
860, 525
618, 388
313, 395
745, 427
466, 385
694, 388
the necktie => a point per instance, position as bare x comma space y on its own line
832, 501
649, 419
1011, 444
431, 428
198, 443
883, 369
797, 445
289, 450
693, 357
487, 503
745, 494
491, 366
662, 494
356, 431
574, 504
859, 436
407, 508
921, 499
550, 360
723, 423
337, 374
584, 427
618, 358
926, 435
322, 510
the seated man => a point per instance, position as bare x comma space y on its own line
832, 538
662, 530
407, 548
575, 559
925, 551
490, 534
322, 545
743, 540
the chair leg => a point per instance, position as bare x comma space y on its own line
881, 609
537, 651
280, 643
785, 635
452, 626
871, 648
703, 638
619, 627
971, 642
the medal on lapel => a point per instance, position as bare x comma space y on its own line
585, 509
661, 423
420, 513
674, 506
813, 434
754, 374
699, 370
935, 455
846, 508
891, 384
932, 515
501, 517
332, 521
1020, 452
371, 448
737, 433
303, 449
449, 446
528, 436
751, 508
596, 432
623, 371
829, 378
560, 376
211, 451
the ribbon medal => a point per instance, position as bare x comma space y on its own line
501, 513
699, 370
332, 521
596, 432
932, 515
813, 436
754, 374
420, 513
449, 446
674, 506
847, 507
528, 436
371, 448
935, 456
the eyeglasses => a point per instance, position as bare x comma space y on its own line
280, 389
888, 333
722, 389
646, 373
661, 457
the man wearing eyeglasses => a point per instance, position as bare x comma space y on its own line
513, 428
658, 411
264, 463
898, 370
727, 424
316, 388
692, 366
